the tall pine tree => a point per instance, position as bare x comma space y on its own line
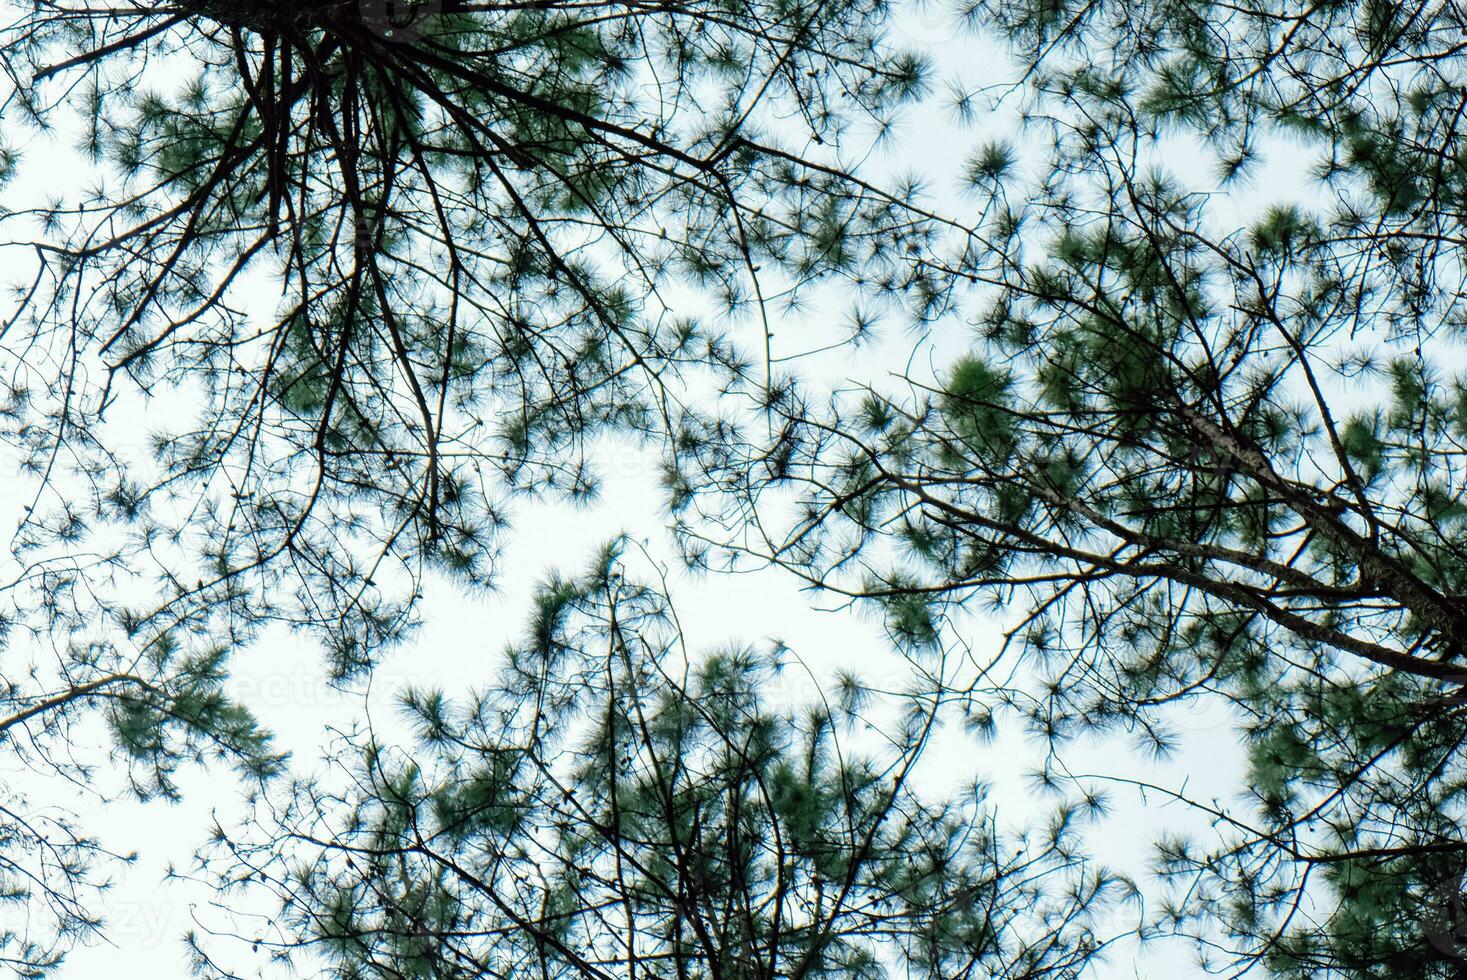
367, 269
1194, 457
618, 806
341, 279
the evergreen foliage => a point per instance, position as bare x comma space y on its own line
350, 275
387, 265
1198, 450
1192, 459
614, 807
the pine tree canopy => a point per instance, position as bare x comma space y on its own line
1180, 425
469, 223
1194, 458
470, 217
610, 809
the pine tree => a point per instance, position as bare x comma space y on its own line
1192, 458
1200, 458
619, 806
369, 269
346, 278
